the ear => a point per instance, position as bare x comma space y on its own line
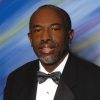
70, 35
30, 37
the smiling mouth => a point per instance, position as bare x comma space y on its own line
47, 50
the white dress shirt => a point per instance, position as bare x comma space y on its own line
47, 89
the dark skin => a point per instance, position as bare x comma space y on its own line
49, 38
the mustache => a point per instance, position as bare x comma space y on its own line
49, 43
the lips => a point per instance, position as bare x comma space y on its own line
47, 49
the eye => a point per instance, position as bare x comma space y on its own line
37, 29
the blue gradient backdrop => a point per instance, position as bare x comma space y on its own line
15, 48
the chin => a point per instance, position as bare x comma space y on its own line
48, 60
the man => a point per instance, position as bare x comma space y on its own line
50, 36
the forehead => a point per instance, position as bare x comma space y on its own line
46, 16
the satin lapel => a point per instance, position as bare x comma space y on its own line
29, 92
30, 86
69, 81
33, 93
70, 72
64, 92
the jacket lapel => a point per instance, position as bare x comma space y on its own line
64, 92
30, 85
68, 81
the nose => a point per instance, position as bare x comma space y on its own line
46, 35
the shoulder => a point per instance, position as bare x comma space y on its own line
23, 70
83, 75
84, 67
82, 63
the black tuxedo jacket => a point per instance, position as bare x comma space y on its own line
80, 80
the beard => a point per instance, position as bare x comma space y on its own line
50, 59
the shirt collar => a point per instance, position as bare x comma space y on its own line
59, 68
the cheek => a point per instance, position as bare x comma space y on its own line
35, 40
59, 39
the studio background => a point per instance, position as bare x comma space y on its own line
15, 48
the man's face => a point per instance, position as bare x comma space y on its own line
48, 36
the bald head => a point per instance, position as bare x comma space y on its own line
61, 13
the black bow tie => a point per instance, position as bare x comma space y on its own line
42, 76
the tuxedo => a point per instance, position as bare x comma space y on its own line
80, 80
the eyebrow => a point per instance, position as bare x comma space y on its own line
35, 26
58, 24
